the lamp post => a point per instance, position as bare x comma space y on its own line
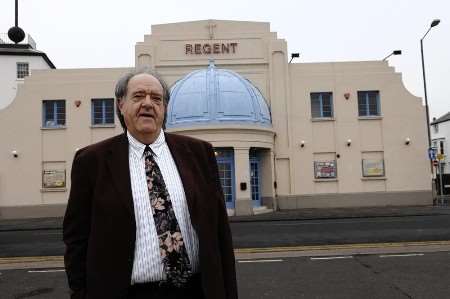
395, 52
433, 24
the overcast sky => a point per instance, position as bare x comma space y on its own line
102, 33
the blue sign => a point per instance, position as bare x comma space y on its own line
432, 153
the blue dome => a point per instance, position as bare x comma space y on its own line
216, 96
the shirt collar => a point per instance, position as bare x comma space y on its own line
138, 147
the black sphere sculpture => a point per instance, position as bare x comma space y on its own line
16, 34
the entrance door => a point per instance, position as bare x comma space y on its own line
225, 163
255, 178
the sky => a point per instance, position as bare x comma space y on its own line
103, 33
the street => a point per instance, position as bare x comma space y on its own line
410, 275
350, 257
45, 242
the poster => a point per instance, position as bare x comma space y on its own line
373, 167
53, 179
325, 169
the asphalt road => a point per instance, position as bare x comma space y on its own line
270, 234
418, 275
341, 231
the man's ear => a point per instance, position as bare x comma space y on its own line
120, 104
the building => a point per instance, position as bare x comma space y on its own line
440, 136
18, 61
286, 135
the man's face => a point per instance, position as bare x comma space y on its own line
143, 108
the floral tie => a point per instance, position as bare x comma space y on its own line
172, 248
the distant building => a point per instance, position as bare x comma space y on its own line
286, 135
440, 140
17, 61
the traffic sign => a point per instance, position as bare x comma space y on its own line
435, 163
432, 153
440, 157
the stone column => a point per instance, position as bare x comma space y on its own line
243, 203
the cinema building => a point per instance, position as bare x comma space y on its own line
286, 135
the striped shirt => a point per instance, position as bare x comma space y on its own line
147, 265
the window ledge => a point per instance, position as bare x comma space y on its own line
103, 126
370, 117
319, 119
375, 178
43, 190
54, 128
325, 180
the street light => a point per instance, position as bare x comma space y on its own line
433, 24
294, 55
395, 52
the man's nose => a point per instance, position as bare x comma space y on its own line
147, 100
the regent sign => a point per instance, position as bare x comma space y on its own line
215, 48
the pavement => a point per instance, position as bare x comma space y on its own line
287, 215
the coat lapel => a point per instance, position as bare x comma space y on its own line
181, 154
119, 166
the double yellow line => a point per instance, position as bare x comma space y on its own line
342, 247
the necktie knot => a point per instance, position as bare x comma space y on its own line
148, 152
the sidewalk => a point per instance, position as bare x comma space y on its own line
287, 215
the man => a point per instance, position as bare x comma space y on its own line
146, 216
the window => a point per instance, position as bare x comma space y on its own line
22, 70
369, 103
321, 104
441, 147
54, 113
102, 111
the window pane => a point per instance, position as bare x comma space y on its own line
49, 114
97, 112
373, 103
61, 112
315, 105
327, 107
109, 111
362, 109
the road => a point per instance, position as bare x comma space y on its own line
417, 274
341, 231
375, 257
270, 234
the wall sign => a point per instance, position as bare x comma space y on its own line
53, 178
206, 48
373, 167
325, 169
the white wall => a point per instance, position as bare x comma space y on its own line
8, 75
443, 134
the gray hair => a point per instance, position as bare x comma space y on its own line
121, 90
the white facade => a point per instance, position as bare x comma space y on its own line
353, 157
8, 74
440, 139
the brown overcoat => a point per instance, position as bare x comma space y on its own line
99, 227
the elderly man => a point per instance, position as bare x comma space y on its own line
146, 216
